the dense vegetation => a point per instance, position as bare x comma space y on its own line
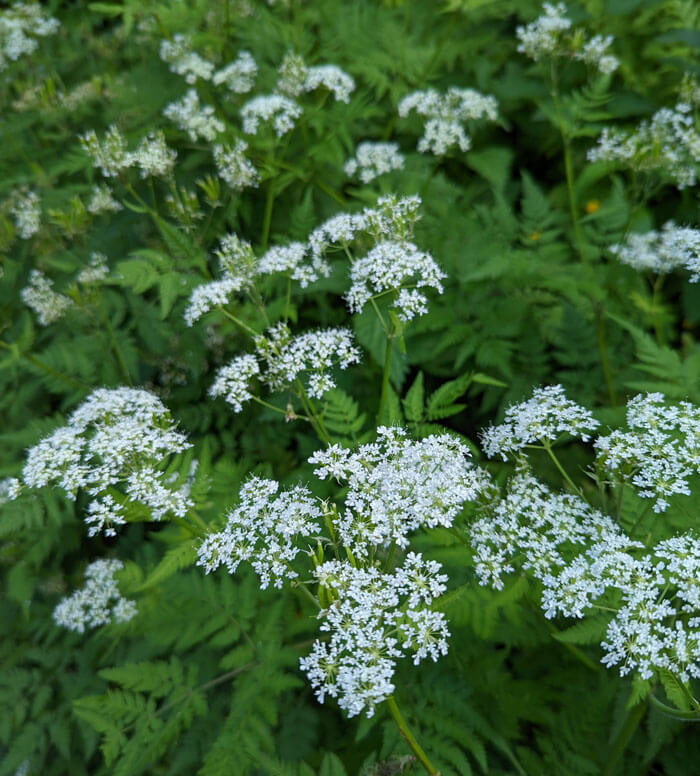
348, 353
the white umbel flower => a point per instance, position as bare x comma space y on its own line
154, 157
662, 252
26, 210
234, 167
374, 159
445, 115
232, 381
110, 155
39, 295
281, 112
295, 78
102, 201
95, 272
542, 418
115, 435
390, 266
669, 143
183, 61
20, 25
396, 486
239, 75
265, 529
99, 602
198, 121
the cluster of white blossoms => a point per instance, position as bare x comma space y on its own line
396, 486
446, 114
238, 76
551, 35
118, 435
195, 119
95, 272
374, 159
26, 210
282, 112
373, 616
584, 560
40, 297
238, 267
282, 359
296, 260
295, 78
661, 252
102, 201
183, 61
265, 529
234, 167
669, 142
20, 25
152, 156
542, 418
311, 354
374, 619
99, 602
660, 451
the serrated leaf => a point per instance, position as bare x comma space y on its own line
413, 400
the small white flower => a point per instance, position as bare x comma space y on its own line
281, 112
374, 159
27, 212
110, 155
102, 201
544, 417
183, 61
233, 166
445, 115
39, 295
154, 157
99, 602
662, 252
96, 271
198, 121
232, 381
239, 75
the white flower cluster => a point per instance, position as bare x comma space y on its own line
96, 270
232, 381
396, 486
312, 353
102, 201
446, 114
20, 25
99, 602
265, 529
26, 209
295, 78
183, 61
292, 259
115, 435
198, 121
661, 252
387, 267
281, 359
659, 452
534, 525
550, 36
239, 75
237, 264
10, 488
395, 265
581, 558
544, 417
282, 112
374, 619
234, 167
669, 142
374, 159
152, 155
39, 296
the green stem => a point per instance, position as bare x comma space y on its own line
267, 216
115, 345
669, 711
385, 378
639, 519
316, 421
189, 528
199, 520
409, 738
239, 322
574, 650
562, 471
634, 717
654, 308
692, 700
